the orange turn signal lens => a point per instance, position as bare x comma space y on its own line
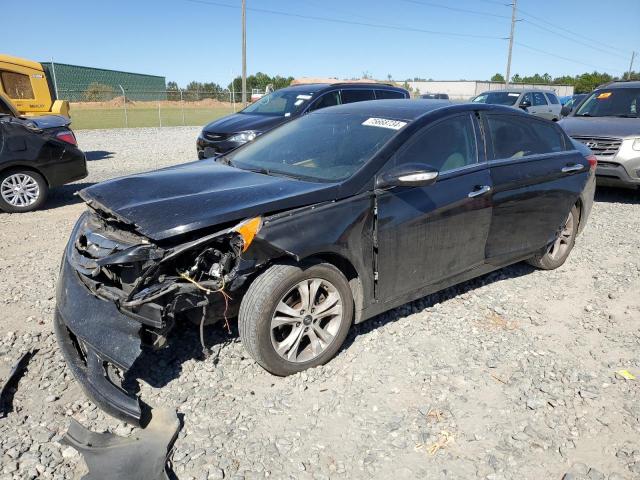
248, 229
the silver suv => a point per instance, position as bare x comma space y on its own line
608, 122
541, 103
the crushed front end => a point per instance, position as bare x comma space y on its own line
119, 292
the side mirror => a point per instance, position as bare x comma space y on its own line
564, 111
408, 175
525, 104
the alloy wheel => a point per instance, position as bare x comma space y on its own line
563, 242
20, 190
306, 320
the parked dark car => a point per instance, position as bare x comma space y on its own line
281, 106
36, 154
321, 223
608, 122
571, 103
435, 96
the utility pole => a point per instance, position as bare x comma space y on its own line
633, 55
244, 52
513, 27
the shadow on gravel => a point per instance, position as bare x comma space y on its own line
64, 195
512, 271
158, 368
93, 155
617, 195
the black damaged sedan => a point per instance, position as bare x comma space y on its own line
323, 222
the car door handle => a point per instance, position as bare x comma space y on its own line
572, 168
480, 190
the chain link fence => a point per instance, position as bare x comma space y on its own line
101, 106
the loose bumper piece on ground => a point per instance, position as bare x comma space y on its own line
6, 393
139, 457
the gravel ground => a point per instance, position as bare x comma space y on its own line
509, 376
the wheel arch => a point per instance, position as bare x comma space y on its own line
351, 274
19, 167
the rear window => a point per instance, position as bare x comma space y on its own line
16, 85
516, 137
385, 94
552, 98
351, 96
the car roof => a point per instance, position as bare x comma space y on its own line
519, 90
626, 84
409, 110
316, 87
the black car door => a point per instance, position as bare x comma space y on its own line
427, 234
536, 178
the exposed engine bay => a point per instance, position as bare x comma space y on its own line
156, 285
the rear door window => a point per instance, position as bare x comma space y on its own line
513, 137
360, 95
383, 94
538, 99
16, 85
448, 145
552, 98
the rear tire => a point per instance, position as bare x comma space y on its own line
22, 191
283, 332
558, 252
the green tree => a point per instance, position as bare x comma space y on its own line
497, 77
98, 92
173, 92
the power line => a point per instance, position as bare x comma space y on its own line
573, 39
348, 22
563, 29
455, 9
564, 58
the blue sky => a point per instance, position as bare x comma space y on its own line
187, 40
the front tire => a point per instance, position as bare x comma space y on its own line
295, 317
22, 191
558, 252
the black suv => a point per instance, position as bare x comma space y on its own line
284, 105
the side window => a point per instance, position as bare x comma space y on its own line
383, 94
552, 98
327, 100
527, 98
16, 85
538, 99
4, 108
447, 145
515, 137
350, 96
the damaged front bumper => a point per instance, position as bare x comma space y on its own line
118, 292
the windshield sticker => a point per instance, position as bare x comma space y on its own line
303, 97
299, 102
384, 123
513, 94
604, 95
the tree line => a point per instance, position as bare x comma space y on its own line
211, 89
583, 83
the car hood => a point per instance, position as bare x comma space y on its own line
45, 122
239, 122
176, 200
601, 126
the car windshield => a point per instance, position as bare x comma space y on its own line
497, 98
281, 103
324, 147
618, 102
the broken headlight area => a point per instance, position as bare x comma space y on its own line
159, 285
